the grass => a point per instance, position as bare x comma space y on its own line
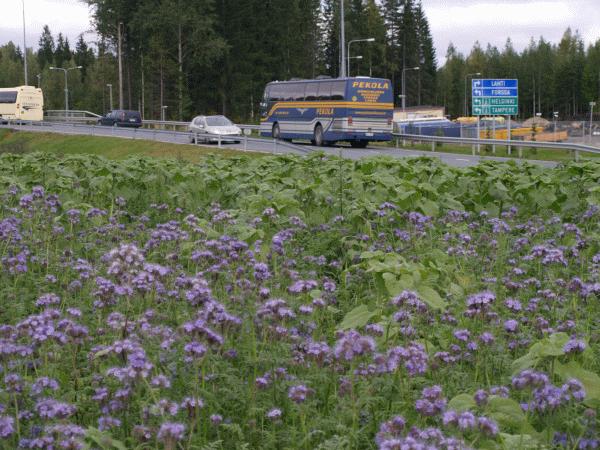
544, 154
12, 141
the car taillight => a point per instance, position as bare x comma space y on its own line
350, 122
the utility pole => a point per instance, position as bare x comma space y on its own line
120, 51
66, 72
342, 40
109, 86
24, 45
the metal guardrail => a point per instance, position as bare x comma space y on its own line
477, 143
177, 137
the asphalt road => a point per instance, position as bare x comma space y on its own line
267, 146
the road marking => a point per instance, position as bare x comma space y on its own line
465, 160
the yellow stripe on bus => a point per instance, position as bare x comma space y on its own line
355, 105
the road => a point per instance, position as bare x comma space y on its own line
263, 145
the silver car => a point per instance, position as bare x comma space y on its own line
209, 128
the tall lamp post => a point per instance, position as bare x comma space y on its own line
555, 115
592, 104
163, 111
24, 45
109, 86
404, 85
476, 74
353, 41
66, 71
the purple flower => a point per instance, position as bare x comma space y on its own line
574, 346
170, 433
298, 394
274, 414
6, 426
511, 325
431, 402
352, 344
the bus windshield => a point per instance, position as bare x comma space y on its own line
8, 96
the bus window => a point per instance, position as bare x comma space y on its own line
312, 90
289, 92
299, 92
8, 97
325, 90
338, 90
277, 93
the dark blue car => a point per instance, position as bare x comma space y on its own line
121, 118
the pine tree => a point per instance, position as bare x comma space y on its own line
427, 58
45, 54
83, 56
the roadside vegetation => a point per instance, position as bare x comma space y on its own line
298, 303
19, 142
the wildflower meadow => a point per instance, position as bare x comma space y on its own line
298, 303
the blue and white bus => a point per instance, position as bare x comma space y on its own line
357, 110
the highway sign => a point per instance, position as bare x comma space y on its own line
495, 97
495, 101
495, 110
496, 84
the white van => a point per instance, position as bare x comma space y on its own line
21, 103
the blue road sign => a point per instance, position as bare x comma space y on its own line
495, 97
495, 92
496, 84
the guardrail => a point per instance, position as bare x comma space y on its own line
477, 143
171, 136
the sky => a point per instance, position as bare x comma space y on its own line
461, 22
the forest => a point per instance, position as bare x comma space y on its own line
215, 56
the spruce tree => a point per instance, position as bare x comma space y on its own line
45, 53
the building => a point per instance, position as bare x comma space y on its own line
419, 112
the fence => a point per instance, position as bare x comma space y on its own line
561, 131
491, 144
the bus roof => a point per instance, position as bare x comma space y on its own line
20, 88
325, 79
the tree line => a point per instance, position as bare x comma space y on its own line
215, 56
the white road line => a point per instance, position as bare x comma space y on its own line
460, 159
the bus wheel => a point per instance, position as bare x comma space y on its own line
318, 136
276, 131
359, 144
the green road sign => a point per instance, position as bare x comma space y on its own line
512, 110
495, 101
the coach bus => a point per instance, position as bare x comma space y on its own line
358, 110
21, 103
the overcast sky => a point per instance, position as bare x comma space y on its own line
459, 21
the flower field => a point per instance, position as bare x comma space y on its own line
298, 303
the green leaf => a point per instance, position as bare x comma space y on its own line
508, 413
431, 297
357, 318
104, 439
590, 380
519, 441
462, 402
428, 207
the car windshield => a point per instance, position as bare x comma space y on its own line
218, 121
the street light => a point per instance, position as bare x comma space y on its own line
39, 77
24, 45
555, 115
476, 74
404, 85
110, 95
353, 57
66, 85
163, 111
592, 104
351, 42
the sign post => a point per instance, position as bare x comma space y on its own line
495, 97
